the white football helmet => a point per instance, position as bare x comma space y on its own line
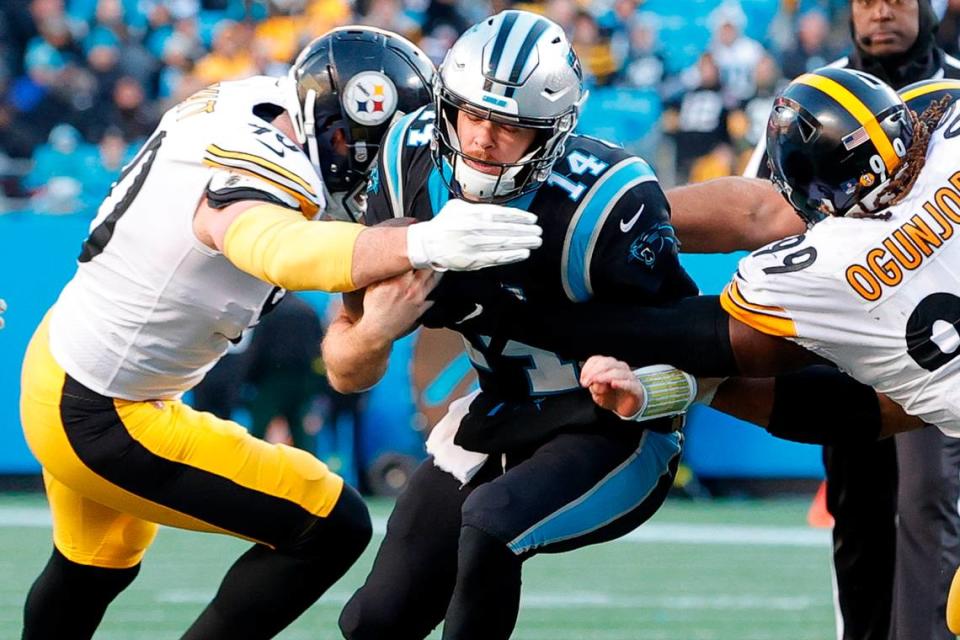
515, 68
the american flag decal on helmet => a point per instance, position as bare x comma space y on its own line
855, 139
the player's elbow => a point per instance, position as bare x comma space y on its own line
341, 383
773, 218
352, 381
349, 371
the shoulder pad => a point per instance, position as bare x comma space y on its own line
625, 193
228, 187
773, 284
239, 141
583, 169
587, 162
260, 150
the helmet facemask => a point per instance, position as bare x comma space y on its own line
344, 174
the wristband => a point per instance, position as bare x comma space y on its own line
667, 392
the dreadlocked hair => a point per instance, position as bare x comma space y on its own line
923, 127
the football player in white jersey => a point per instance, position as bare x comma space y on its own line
871, 286
200, 235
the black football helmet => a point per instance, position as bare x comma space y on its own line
921, 95
835, 138
354, 80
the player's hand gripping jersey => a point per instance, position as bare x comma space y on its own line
880, 298
606, 235
151, 308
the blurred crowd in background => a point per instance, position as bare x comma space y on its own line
685, 83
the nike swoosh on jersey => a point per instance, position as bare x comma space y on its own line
473, 314
626, 226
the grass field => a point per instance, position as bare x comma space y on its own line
720, 570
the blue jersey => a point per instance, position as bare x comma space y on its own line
606, 236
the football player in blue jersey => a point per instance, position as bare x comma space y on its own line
528, 464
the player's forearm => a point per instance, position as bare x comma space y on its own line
279, 246
785, 407
379, 253
355, 357
730, 214
893, 419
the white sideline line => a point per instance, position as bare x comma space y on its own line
585, 599
729, 534
24, 517
653, 533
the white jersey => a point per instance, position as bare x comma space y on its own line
880, 298
151, 309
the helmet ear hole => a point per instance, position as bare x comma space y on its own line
808, 130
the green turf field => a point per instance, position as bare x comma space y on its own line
722, 570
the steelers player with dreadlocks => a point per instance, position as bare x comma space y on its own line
887, 542
870, 286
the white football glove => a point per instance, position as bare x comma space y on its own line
467, 236
3, 307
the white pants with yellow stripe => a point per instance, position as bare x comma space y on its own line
116, 469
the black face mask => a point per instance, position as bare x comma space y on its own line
921, 61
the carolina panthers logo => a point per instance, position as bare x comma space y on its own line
373, 182
647, 247
370, 98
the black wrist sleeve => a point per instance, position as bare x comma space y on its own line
821, 405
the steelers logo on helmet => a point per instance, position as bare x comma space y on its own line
370, 98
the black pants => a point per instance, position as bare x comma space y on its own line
897, 534
575, 490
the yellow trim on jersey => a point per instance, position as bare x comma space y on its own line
859, 111
753, 306
308, 207
953, 604
99, 523
224, 154
278, 246
930, 88
755, 315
